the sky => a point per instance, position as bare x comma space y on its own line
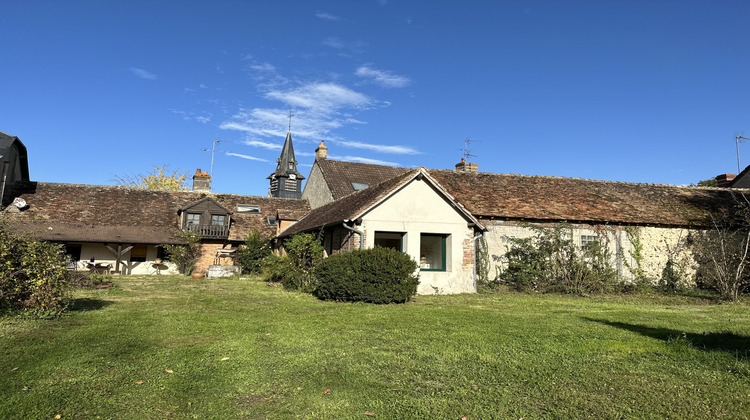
634, 91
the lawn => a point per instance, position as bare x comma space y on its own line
175, 347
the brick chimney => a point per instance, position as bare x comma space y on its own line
465, 166
321, 152
724, 180
201, 181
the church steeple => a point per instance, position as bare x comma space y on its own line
286, 181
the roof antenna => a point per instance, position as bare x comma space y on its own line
213, 150
738, 137
467, 152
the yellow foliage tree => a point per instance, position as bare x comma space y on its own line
158, 179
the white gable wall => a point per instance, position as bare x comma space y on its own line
418, 209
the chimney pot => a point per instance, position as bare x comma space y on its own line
724, 180
321, 152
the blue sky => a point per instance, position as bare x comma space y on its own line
636, 91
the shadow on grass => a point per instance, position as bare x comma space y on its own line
735, 344
87, 304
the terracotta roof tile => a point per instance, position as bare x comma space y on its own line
96, 213
583, 200
339, 175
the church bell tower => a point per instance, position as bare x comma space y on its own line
286, 181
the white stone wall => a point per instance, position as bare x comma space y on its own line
657, 242
417, 209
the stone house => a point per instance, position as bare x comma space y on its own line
411, 213
616, 214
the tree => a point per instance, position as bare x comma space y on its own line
711, 182
33, 275
250, 255
723, 251
158, 179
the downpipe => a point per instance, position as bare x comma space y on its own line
359, 232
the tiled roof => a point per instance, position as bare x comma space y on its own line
96, 213
582, 200
348, 207
339, 175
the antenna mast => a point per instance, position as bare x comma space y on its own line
213, 151
738, 138
467, 152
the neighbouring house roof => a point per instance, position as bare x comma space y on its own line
355, 205
96, 213
581, 200
340, 175
741, 180
6, 142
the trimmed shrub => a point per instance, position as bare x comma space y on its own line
375, 275
250, 255
33, 275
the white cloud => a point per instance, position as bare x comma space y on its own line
321, 96
263, 144
381, 148
247, 157
203, 119
364, 160
326, 16
143, 74
382, 77
262, 67
333, 42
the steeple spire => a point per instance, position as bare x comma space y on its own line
286, 180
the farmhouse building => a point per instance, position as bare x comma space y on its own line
439, 217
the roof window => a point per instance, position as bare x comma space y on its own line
359, 186
248, 209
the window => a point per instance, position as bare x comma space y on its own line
271, 221
248, 209
393, 240
359, 186
193, 219
290, 185
432, 252
274, 184
138, 253
218, 219
587, 240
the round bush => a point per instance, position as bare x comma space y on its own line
375, 275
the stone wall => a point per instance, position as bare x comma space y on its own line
658, 243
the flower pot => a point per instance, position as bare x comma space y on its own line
197, 275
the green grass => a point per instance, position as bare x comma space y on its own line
481, 356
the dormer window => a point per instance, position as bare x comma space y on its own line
207, 218
193, 219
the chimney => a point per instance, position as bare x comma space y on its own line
201, 181
321, 152
724, 180
465, 166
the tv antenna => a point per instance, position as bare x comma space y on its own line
738, 138
467, 152
213, 151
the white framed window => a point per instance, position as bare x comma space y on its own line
587, 240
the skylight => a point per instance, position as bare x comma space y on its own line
359, 186
248, 209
